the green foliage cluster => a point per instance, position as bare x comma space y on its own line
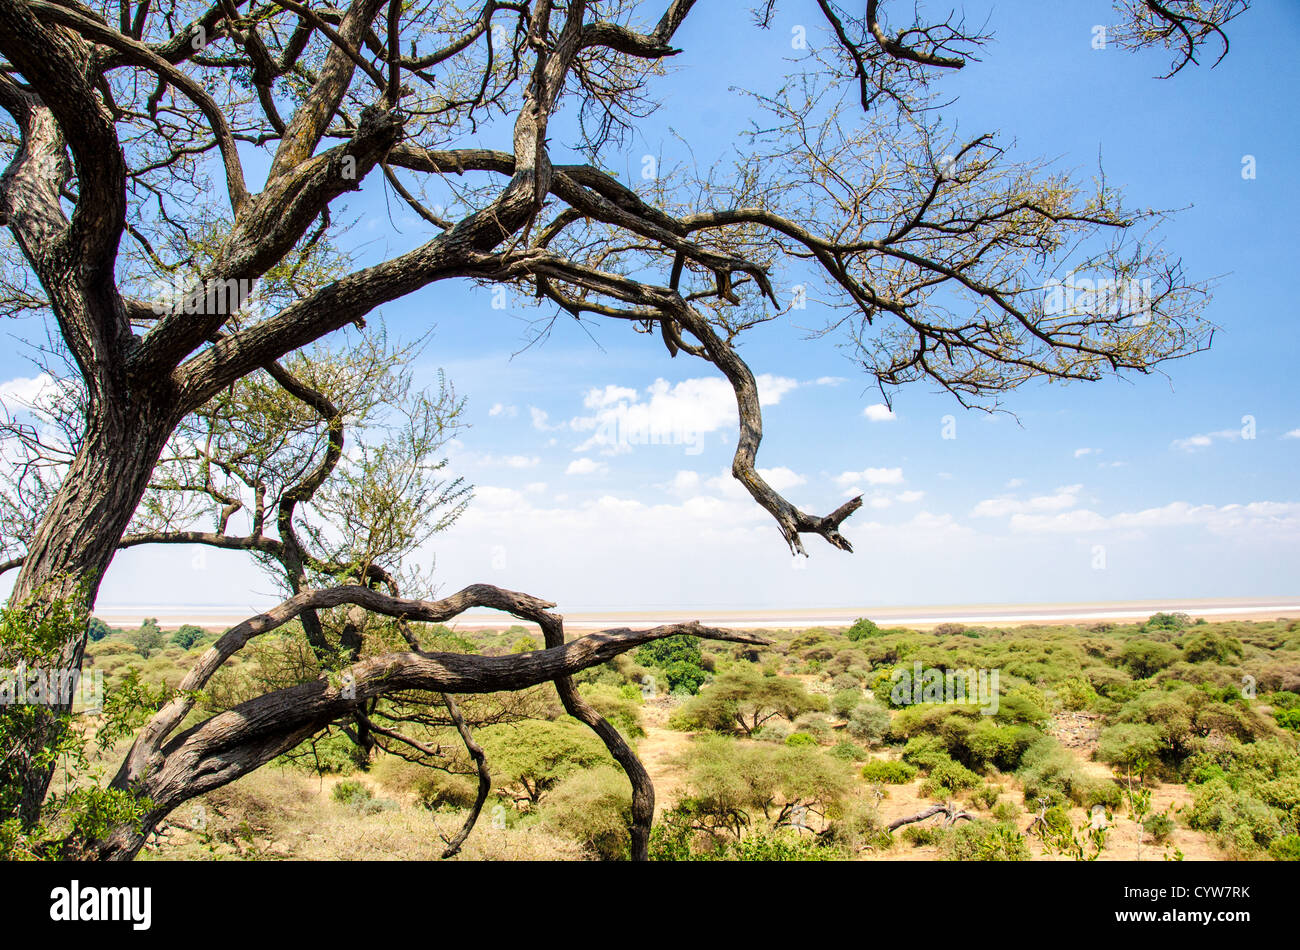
1246, 794
534, 756
81, 809
593, 807
679, 660
744, 699
888, 772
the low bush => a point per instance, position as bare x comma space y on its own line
888, 772
594, 808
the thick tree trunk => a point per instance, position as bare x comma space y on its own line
72, 549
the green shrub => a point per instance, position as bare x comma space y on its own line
985, 841
1288, 718
775, 731
743, 699
848, 751
947, 777
862, 629
730, 785
1242, 823
1285, 848
1212, 645
888, 772
925, 751
922, 836
1129, 745
351, 792
672, 839
187, 636
593, 807
680, 660
536, 755
815, 724
1075, 692
1163, 621
858, 828
614, 704
1144, 658
845, 701
332, 753
1050, 773
1005, 811
780, 846
800, 738
148, 639
1110, 683
1159, 826
869, 723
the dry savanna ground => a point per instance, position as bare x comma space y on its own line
1205, 714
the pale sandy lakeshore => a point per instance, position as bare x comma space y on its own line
795, 618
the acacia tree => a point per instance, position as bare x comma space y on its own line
129, 128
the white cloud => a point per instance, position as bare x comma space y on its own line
501, 409
1080, 453
781, 478
670, 414
1065, 497
541, 420
879, 412
872, 476
585, 466
1204, 440
610, 395
1014, 483
1252, 520
829, 380
25, 391
488, 460
685, 482
1293, 434
908, 497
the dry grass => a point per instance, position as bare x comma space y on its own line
279, 814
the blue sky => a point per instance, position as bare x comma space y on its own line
1145, 488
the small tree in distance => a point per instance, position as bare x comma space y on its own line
148, 638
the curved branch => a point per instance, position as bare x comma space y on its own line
484, 777
232, 743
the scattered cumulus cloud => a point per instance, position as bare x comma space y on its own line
871, 476
542, 420
1194, 443
1062, 499
667, 413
